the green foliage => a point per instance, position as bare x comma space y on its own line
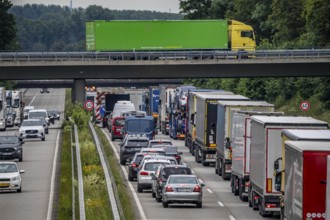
196, 9
8, 28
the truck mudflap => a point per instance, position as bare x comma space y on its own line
210, 158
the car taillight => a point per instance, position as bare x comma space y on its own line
197, 189
160, 180
270, 205
144, 173
134, 165
177, 156
169, 189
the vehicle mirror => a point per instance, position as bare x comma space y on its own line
202, 185
22, 171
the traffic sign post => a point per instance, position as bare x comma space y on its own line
89, 105
304, 106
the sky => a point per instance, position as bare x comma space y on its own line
152, 5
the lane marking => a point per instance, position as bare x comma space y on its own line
52, 182
221, 204
232, 217
34, 97
210, 191
136, 198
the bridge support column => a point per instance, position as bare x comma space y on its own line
78, 92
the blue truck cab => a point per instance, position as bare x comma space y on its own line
140, 124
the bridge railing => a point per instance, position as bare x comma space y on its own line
162, 55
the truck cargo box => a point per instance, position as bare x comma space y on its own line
306, 175
224, 122
266, 147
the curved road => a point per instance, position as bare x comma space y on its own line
38, 156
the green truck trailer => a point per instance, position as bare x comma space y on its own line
159, 35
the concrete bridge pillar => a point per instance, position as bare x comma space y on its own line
78, 92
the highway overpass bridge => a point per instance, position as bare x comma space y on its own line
80, 66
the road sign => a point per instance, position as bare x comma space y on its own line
304, 105
102, 111
89, 105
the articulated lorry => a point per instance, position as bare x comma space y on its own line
306, 180
18, 106
177, 119
191, 111
205, 144
224, 133
241, 144
169, 35
3, 109
266, 147
294, 135
165, 93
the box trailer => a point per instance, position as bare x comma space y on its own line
266, 147
225, 110
294, 135
191, 114
241, 142
206, 119
306, 175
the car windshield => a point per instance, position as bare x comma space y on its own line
31, 123
37, 114
8, 139
152, 166
120, 122
167, 171
171, 150
8, 168
159, 143
15, 103
138, 143
182, 179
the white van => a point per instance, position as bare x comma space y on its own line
122, 106
26, 111
39, 113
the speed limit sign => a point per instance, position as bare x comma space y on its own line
89, 105
304, 106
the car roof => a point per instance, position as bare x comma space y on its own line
160, 141
153, 160
176, 166
152, 149
182, 175
8, 162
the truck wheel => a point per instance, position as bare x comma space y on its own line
236, 186
217, 165
255, 202
232, 184
262, 211
197, 157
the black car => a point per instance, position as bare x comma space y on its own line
105, 119
134, 165
173, 151
11, 147
54, 114
160, 177
130, 146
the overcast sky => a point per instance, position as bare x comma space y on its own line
152, 5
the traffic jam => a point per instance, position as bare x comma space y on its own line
272, 162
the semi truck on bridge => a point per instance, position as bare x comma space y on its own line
169, 35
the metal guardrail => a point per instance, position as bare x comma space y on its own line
161, 55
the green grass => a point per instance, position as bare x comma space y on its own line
122, 188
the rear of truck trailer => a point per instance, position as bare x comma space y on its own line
306, 175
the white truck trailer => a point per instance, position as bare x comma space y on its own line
3, 109
266, 147
223, 132
165, 92
18, 106
241, 143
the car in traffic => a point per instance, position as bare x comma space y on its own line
42, 90
32, 128
105, 119
130, 146
159, 142
39, 113
182, 189
173, 151
26, 111
55, 114
160, 177
116, 125
146, 169
10, 118
159, 151
11, 147
10, 176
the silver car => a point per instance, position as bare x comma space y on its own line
145, 172
182, 189
10, 178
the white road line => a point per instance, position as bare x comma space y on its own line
52, 183
136, 198
34, 97
210, 191
232, 217
221, 204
